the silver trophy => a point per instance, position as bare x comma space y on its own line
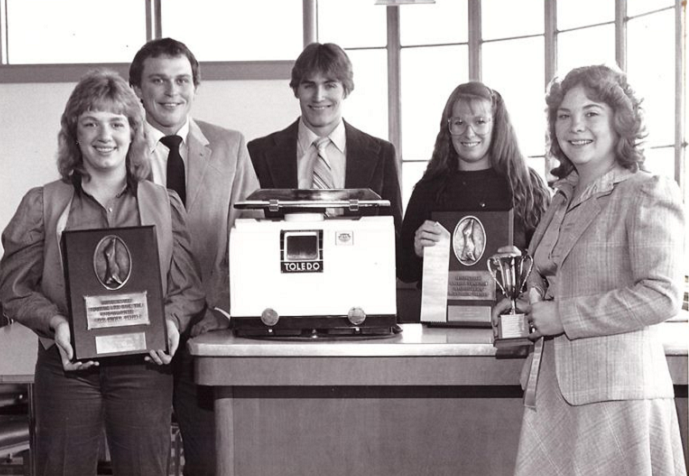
510, 269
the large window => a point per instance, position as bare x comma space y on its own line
77, 31
361, 30
433, 61
652, 73
407, 59
508, 47
242, 31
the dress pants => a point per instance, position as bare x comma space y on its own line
194, 406
128, 398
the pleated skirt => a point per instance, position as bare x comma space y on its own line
613, 438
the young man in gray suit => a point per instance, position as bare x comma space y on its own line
209, 167
322, 78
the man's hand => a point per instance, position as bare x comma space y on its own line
213, 320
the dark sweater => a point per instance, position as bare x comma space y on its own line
464, 191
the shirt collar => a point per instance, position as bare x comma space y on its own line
338, 137
156, 134
603, 184
307, 136
130, 185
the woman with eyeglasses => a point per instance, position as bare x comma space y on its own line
476, 165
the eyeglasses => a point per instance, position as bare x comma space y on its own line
457, 125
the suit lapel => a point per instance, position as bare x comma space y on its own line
151, 145
198, 162
545, 223
282, 158
591, 208
362, 158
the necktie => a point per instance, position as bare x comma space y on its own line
322, 172
175, 167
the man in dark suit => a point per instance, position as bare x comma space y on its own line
322, 79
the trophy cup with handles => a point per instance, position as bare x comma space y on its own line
510, 270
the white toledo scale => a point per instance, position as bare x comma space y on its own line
319, 264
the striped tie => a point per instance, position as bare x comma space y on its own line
322, 172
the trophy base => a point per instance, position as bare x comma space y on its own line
515, 342
513, 331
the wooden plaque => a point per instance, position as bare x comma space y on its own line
114, 291
474, 237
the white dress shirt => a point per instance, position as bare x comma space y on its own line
307, 154
160, 153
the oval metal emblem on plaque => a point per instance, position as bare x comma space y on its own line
112, 262
469, 240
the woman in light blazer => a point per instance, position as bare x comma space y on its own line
608, 259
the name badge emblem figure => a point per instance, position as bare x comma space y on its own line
469, 240
112, 262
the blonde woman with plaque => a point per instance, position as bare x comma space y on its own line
102, 162
608, 265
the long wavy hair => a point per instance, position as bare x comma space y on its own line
605, 85
101, 90
530, 196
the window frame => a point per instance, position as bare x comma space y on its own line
71, 72
281, 70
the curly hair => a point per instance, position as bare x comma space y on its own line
605, 85
101, 90
530, 196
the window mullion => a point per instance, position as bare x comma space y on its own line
154, 27
310, 12
621, 34
475, 38
4, 50
394, 82
680, 92
550, 40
